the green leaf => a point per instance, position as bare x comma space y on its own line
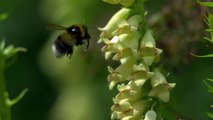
210, 115
18, 98
210, 88
208, 39
2, 45
206, 4
210, 20
209, 30
203, 56
209, 79
10, 51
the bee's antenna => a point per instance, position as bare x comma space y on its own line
84, 22
93, 27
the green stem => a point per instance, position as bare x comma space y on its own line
139, 9
5, 109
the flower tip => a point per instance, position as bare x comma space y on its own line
171, 86
110, 69
115, 39
148, 40
111, 85
108, 55
101, 29
103, 33
164, 97
128, 118
115, 115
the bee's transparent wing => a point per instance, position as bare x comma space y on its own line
56, 27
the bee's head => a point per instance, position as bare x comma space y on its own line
75, 30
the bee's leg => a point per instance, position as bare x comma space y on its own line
87, 38
79, 42
70, 51
87, 44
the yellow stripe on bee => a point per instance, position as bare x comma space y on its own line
82, 31
69, 39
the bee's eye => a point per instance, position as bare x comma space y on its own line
73, 30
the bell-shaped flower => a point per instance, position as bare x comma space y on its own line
128, 26
160, 86
112, 25
157, 78
148, 51
162, 91
148, 54
140, 71
130, 40
122, 105
125, 92
110, 47
115, 78
126, 52
126, 110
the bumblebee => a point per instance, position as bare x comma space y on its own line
74, 35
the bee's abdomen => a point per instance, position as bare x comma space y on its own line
60, 48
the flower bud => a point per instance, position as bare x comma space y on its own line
148, 40
150, 115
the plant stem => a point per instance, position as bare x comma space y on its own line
5, 109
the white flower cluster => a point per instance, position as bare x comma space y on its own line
135, 80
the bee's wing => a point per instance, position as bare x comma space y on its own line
56, 27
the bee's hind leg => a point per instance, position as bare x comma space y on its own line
70, 51
86, 44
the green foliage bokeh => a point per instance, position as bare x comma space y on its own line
77, 88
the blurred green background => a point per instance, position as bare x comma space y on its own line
77, 88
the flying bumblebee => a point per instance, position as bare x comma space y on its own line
74, 35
